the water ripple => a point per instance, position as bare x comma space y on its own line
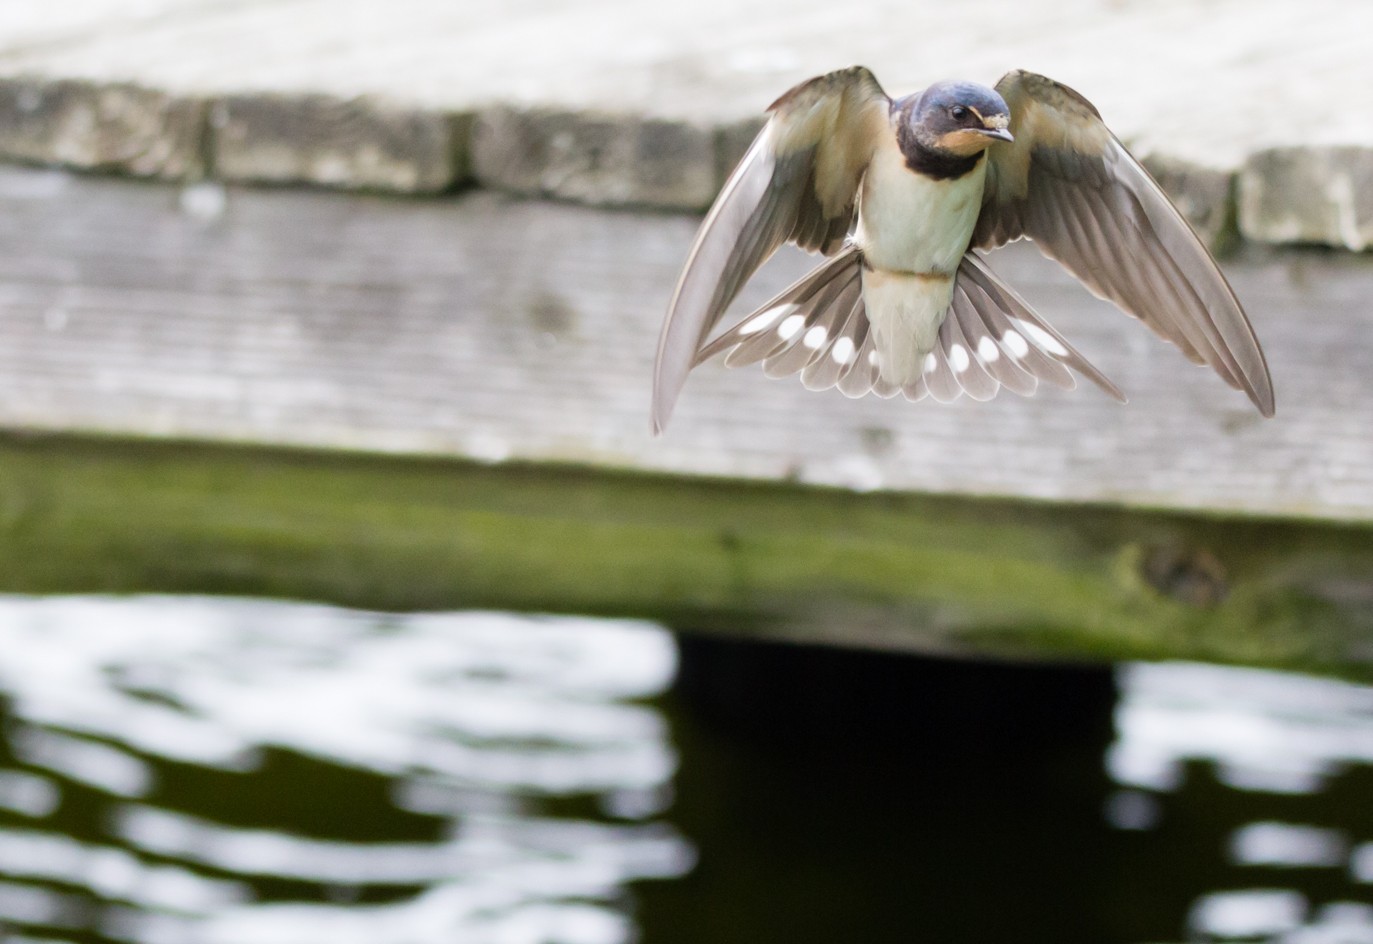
454, 743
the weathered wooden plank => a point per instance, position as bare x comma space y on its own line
491, 328
762, 560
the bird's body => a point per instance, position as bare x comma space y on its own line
912, 231
902, 195
909, 222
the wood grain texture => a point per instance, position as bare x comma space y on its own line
764, 561
491, 328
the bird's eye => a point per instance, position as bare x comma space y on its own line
958, 112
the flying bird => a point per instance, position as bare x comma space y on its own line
903, 196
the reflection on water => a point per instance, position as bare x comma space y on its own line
192, 770
196, 770
1264, 731
1264, 734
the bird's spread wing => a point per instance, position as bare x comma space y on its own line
818, 327
1068, 184
798, 182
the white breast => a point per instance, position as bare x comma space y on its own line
913, 231
910, 223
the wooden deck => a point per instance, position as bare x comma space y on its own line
497, 339
490, 328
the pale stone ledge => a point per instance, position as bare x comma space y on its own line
99, 126
355, 144
1320, 195
601, 159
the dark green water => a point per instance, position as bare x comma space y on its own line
188, 770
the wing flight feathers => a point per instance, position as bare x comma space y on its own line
1069, 185
799, 183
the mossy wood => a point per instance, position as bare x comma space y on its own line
905, 571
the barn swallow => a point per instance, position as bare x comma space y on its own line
903, 196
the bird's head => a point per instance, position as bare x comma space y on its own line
960, 118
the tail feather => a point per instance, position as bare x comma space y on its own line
988, 338
816, 327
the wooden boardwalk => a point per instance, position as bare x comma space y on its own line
491, 328
474, 220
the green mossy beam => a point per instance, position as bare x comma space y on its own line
920, 572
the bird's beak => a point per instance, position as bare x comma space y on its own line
998, 134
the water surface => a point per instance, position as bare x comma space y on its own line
209, 770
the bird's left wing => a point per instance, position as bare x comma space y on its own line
1068, 184
799, 183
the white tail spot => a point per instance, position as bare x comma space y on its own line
789, 328
958, 357
764, 320
843, 351
931, 362
987, 350
815, 337
1044, 339
1015, 344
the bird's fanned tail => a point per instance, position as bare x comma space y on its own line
1022, 338
990, 339
816, 327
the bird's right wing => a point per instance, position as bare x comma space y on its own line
798, 183
1068, 184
